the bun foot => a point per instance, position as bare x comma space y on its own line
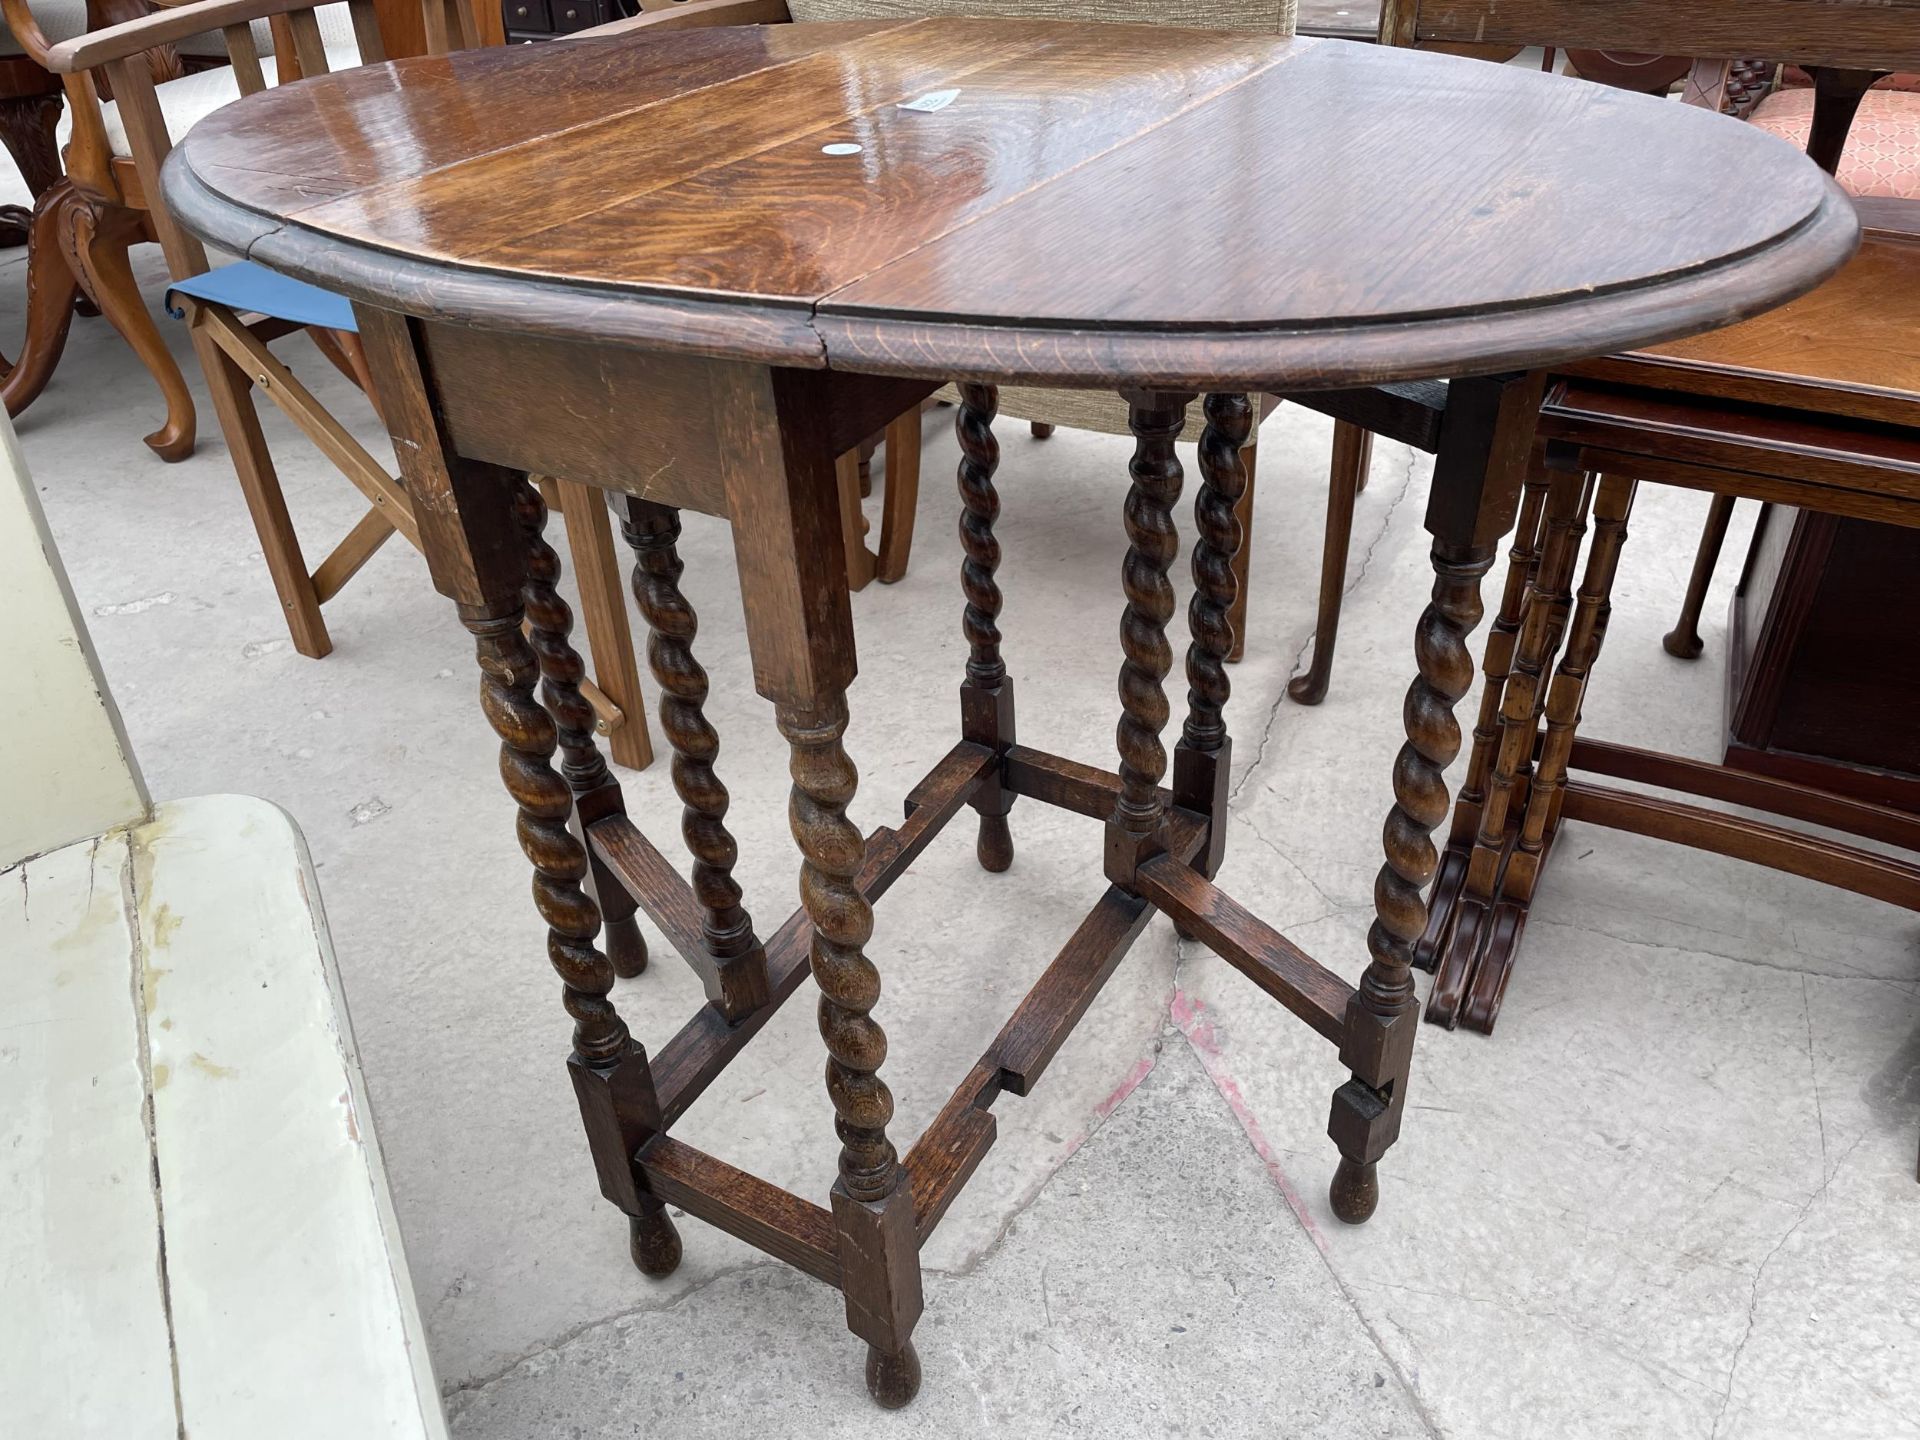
1682, 644
1355, 1191
626, 947
654, 1243
893, 1380
995, 847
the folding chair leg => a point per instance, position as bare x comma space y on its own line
603, 607
240, 423
95, 241
902, 498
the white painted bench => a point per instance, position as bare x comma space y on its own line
195, 1233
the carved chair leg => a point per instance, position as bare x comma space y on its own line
1683, 641
735, 968
51, 288
1203, 759
603, 608
612, 1078
902, 499
595, 792
29, 126
986, 696
872, 1201
260, 484
1243, 558
1155, 418
95, 240
1352, 453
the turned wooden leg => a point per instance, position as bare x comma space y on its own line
612, 1079
29, 128
872, 1201
1522, 571
1381, 1018
1479, 1008
1683, 641
51, 287
1543, 623
1352, 453
735, 969
1204, 757
986, 696
1155, 418
94, 239
902, 500
1243, 560
596, 793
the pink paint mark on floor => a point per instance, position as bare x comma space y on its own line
1190, 1015
1142, 1068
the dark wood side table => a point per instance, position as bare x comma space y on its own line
808, 259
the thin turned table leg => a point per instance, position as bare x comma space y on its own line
1155, 417
1683, 641
1203, 759
1486, 441
596, 793
1243, 561
735, 976
1352, 454
986, 697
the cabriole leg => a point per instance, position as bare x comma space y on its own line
986, 697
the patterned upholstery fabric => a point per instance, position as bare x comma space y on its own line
59, 20
1883, 147
1274, 17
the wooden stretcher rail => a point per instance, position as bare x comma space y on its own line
1861, 871
1088, 790
952, 1147
1250, 945
690, 1061
765, 1216
649, 877
1805, 803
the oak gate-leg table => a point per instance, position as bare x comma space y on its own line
537, 274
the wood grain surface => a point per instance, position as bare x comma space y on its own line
1343, 213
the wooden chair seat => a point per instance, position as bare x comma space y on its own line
1846, 349
1883, 148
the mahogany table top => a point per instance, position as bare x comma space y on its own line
1095, 203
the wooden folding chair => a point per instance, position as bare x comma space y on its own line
238, 309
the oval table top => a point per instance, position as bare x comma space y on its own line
1093, 204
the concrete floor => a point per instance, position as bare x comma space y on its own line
1673, 1197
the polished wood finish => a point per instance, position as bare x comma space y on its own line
793, 304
